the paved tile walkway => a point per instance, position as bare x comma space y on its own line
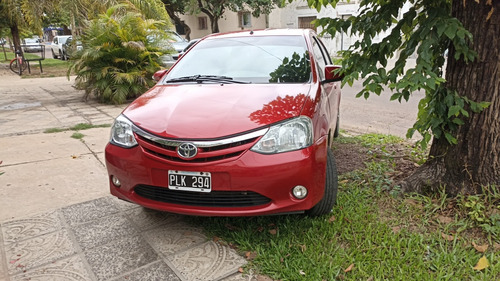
109, 239
58, 222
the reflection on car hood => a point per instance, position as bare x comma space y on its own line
207, 111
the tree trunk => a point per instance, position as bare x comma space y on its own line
16, 40
475, 160
214, 24
178, 21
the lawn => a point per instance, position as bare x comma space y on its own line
374, 232
51, 67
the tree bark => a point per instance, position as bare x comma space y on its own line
214, 14
177, 20
475, 160
16, 39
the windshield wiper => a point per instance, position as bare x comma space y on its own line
206, 78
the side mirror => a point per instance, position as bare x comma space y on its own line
332, 74
159, 74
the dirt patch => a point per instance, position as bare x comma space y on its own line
350, 157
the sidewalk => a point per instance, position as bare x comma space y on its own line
57, 219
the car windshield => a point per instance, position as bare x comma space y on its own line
63, 40
254, 59
32, 41
174, 37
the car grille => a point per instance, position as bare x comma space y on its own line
208, 151
211, 199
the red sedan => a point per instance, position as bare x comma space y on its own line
241, 125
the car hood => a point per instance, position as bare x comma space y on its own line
208, 111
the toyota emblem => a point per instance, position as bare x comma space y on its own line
187, 150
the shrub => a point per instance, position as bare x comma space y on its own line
121, 53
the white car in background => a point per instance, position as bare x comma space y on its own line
178, 44
32, 45
57, 44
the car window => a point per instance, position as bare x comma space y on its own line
319, 58
257, 59
327, 56
55, 40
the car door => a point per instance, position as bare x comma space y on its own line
331, 90
54, 45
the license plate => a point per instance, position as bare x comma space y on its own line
190, 181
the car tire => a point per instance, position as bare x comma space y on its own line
60, 55
329, 199
54, 55
337, 127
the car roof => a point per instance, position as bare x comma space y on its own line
261, 32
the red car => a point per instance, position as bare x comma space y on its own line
241, 125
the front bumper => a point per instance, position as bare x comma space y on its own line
268, 177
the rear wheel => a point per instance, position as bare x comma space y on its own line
329, 199
18, 66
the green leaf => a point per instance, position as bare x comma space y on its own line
451, 139
451, 30
454, 110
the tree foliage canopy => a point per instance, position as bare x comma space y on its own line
215, 9
428, 30
457, 49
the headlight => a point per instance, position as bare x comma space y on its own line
121, 133
291, 135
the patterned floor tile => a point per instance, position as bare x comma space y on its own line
169, 239
103, 231
89, 211
23, 229
209, 261
146, 219
119, 257
157, 271
122, 204
3, 264
70, 269
244, 277
37, 251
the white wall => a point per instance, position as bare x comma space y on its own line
229, 22
288, 17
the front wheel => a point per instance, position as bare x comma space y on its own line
18, 66
54, 55
329, 199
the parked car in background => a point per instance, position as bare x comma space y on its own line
241, 125
178, 44
188, 46
32, 45
70, 47
57, 44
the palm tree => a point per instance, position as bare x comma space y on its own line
24, 14
30, 14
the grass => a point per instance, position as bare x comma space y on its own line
77, 135
51, 67
77, 127
371, 234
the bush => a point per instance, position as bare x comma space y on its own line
121, 53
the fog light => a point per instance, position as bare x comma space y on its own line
300, 192
116, 181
